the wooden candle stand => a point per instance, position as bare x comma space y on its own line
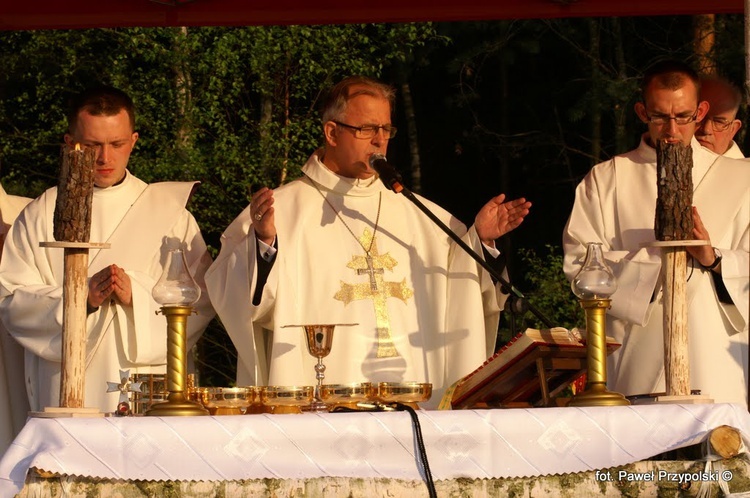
73, 366
676, 352
71, 230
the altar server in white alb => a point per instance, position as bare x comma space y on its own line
14, 405
141, 223
615, 205
336, 246
717, 130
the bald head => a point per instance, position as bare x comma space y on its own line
721, 94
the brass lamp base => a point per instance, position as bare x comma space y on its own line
598, 395
176, 405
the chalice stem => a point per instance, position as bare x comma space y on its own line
320, 375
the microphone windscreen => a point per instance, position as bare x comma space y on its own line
386, 172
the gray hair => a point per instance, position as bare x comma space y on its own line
339, 96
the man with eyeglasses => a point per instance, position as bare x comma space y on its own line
716, 132
337, 247
615, 205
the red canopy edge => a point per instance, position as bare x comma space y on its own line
73, 14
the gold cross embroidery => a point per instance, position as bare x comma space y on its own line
376, 289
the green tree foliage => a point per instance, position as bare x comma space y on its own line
549, 289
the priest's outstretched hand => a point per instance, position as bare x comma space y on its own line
499, 217
108, 281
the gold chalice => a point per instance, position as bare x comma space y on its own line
408, 393
319, 341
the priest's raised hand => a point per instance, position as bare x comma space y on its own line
261, 209
498, 217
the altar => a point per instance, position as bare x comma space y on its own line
473, 447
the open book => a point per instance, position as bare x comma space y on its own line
528, 371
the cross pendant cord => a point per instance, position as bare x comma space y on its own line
374, 230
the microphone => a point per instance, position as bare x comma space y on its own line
387, 173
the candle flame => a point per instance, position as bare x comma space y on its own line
78, 146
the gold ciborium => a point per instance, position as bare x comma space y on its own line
176, 291
593, 285
407, 393
348, 395
228, 400
286, 399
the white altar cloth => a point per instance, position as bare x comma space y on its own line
469, 443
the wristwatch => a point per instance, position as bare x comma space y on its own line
717, 260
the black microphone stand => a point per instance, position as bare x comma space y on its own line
518, 301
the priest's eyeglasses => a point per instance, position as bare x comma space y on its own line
369, 131
719, 123
662, 119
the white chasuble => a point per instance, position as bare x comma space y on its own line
424, 310
142, 223
615, 205
13, 402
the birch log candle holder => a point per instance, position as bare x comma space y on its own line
673, 230
71, 231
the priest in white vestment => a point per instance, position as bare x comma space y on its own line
340, 248
14, 405
142, 223
717, 130
615, 205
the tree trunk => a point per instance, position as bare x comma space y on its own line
285, 160
703, 42
596, 86
621, 111
411, 131
266, 116
182, 84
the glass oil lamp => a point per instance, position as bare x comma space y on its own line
176, 291
593, 286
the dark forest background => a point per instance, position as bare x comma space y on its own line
523, 107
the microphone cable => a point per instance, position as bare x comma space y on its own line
401, 407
